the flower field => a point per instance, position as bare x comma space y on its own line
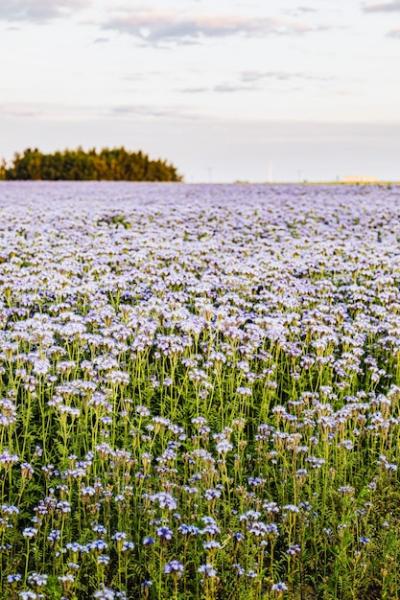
199, 392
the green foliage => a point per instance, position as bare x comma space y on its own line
115, 164
2, 170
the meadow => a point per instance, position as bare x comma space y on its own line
199, 392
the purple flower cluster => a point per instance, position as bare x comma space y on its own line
199, 391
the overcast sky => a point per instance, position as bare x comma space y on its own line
225, 89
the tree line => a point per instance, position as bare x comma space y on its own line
108, 164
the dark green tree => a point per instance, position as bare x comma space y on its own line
3, 167
109, 164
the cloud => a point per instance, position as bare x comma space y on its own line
225, 88
257, 76
60, 112
19, 111
38, 10
306, 9
152, 112
220, 88
299, 11
249, 81
393, 6
153, 27
194, 90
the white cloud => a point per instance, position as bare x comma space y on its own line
393, 6
257, 76
252, 80
38, 10
154, 26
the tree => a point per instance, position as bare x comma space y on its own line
110, 164
3, 167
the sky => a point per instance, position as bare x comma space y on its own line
227, 90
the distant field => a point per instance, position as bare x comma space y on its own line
200, 391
